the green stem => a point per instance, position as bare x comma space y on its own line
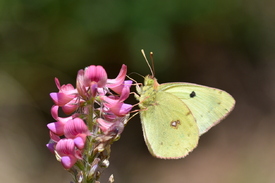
89, 143
90, 116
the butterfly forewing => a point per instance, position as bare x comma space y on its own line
208, 105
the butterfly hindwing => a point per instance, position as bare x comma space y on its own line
169, 128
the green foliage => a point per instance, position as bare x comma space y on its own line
69, 34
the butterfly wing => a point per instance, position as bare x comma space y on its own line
169, 128
208, 105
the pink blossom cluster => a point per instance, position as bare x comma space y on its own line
95, 107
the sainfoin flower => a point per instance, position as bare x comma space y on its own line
96, 115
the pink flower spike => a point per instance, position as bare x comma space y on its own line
112, 83
118, 89
96, 74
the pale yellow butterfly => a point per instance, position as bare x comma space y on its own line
174, 115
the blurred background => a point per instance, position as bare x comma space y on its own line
224, 44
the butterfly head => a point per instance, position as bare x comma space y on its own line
151, 81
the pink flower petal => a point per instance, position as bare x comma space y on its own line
54, 112
71, 107
68, 161
61, 99
54, 137
57, 127
112, 83
51, 146
116, 106
80, 85
96, 74
65, 147
80, 142
93, 89
118, 89
104, 125
110, 100
125, 92
121, 109
68, 89
111, 128
57, 83
75, 127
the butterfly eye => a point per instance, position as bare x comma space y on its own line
192, 94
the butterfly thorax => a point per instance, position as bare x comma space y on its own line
148, 92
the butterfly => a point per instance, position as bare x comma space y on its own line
174, 115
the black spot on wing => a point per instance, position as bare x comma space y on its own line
192, 94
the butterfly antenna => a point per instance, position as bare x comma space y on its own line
142, 51
152, 61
